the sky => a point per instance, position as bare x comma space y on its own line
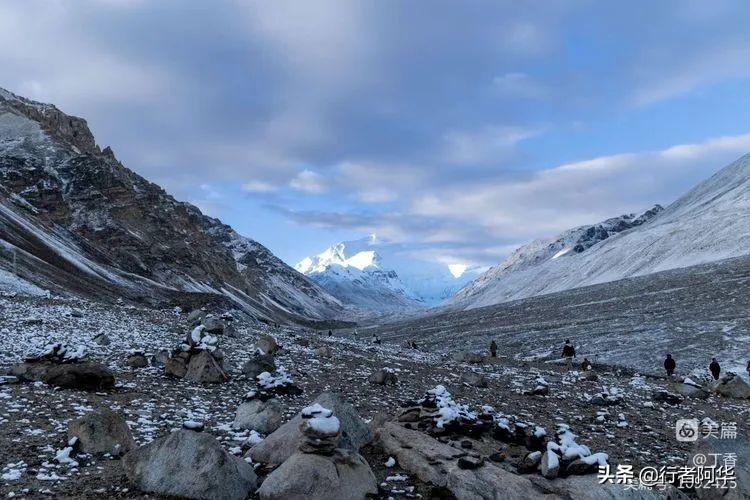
454, 130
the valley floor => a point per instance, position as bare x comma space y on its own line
34, 416
695, 314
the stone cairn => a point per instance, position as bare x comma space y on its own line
199, 356
320, 430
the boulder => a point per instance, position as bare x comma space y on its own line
137, 360
323, 352
261, 416
530, 462
489, 482
474, 379
666, 397
691, 391
285, 441
586, 465
258, 364
30, 372
160, 358
383, 376
86, 376
740, 446
102, 339
195, 317
731, 385
102, 431
176, 366
267, 344
550, 464
204, 368
418, 453
345, 476
588, 488
213, 325
191, 465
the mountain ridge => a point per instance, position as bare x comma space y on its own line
57, 180
709, 223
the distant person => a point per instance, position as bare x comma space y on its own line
375, 339
330, 333
585, 365
354, 333
669, 365
715, 368
748, 369
493, 349
414, 345
568, 353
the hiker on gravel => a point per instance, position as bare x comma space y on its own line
568, 353
493, 349
375, 339
669, 365
715, 368
330, 333
748, 369
585, 365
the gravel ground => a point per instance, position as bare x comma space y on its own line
34, 416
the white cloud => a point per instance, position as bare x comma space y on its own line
490, 144
309, 181
548, 201
259, 187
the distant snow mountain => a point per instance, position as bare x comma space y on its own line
368, 273
74, 220
709, 223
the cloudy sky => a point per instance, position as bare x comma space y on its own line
455, 129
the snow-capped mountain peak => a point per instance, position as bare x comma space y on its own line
371, 273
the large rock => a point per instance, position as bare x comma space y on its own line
213, 325
267, 344
437, 463
30, 372
691, 391
732, 385
489, 482
474, 379
666, 397
86, 376
258, 364
102, 431
344, 476
137, 360
192, 465
176, 366
195, 317
204, 368
285, 441
418, 453
740, 447
383, 376
261, 416
588, 488
550, 465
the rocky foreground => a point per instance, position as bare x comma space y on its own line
125, 402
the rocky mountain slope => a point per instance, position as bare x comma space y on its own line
74, 219
709, 223
371, 275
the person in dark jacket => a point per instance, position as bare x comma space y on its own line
748, 369
669, 365
715, 368
568, 353
493, 349
330, 333
585, 365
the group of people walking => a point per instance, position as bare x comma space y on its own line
569, 352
